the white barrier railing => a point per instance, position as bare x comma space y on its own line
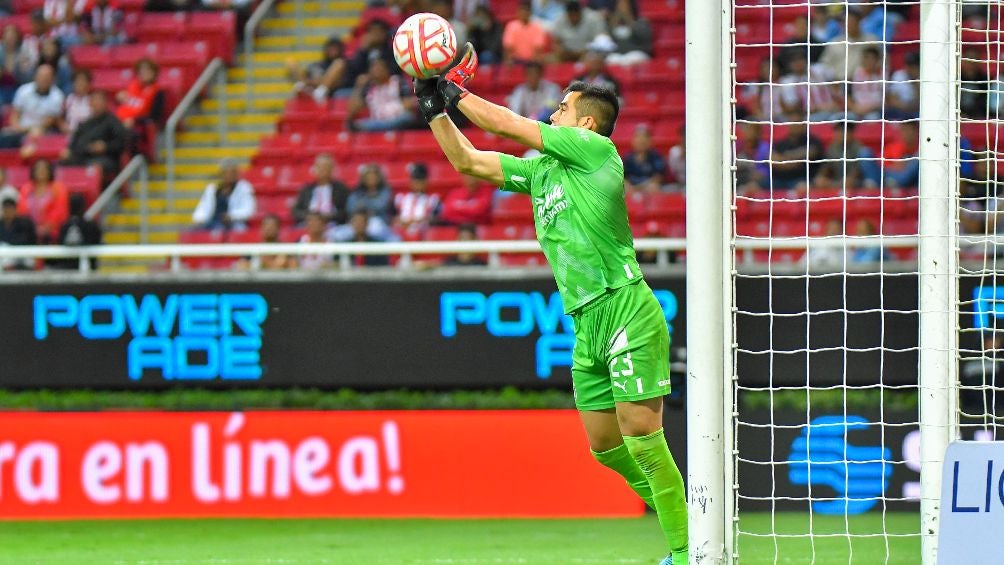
407, 251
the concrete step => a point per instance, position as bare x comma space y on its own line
273, 103
191, 155
312, 42
312, 24
259, 88
309, 7
232, 139
235, 121
132, 238
159, 220
132, 205
186, 171
263, 58
273, 72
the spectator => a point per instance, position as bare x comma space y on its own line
982, 380
387, 98
546, 13
537, 97
142, 99
801, 41
32, 41
323, 77
848, 156
484, 31
102, 24
444, 9
752, 154
903, 94
19, 62
524, 40
44, 200
809, 92
676, 161
762, 99
61, 17
878, 20
416, 208
7, 190
49, 53
374, 44
901, 161
37, 108
325, 195
651, 256
465, 232
269, 232
631, 33
843, 55
15, 229
77, 231
796, 159
996, 99
77, 106
372, 195
468, 204
868, 86
100, 140
227, 204
823, 27
316, 233
575, 30
644, 169
595, 72
975, 85
867, 253
361, 231
829, 258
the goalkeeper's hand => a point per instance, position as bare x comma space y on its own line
453, 85
430, 103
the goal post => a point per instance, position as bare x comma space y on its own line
709, 472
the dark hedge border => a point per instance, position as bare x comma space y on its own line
285, 399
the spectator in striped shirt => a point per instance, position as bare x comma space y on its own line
416, 208
868, 86
386, 97
810, 92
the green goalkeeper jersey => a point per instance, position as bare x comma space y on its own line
577, 187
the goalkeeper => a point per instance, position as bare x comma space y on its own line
620, 363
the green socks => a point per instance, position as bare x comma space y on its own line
619, 459
666, 487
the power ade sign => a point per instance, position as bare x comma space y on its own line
184, 337
395, 464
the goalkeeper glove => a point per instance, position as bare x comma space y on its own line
430, 103
453, 85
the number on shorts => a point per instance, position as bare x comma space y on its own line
628, 369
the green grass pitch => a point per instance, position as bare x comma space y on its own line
442, 542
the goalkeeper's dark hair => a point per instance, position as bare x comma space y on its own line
598, 102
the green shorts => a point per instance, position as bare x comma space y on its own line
621, 349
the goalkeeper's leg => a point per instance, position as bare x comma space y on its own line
608, 448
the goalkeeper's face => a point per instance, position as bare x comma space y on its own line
567, 115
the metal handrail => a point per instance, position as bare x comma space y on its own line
136, 164
214, 68
249, 30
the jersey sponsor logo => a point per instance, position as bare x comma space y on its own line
549, 205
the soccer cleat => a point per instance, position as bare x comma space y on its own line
667, 561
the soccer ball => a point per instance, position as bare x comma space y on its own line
424, 45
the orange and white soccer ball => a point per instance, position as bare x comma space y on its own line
424, 45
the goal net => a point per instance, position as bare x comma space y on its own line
839, 214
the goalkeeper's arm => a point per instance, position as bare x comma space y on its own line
464, 157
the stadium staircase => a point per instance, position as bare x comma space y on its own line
200, 149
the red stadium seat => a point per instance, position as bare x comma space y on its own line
83, 180
370, 144
418, 145
50, 146
516, 207
216, 29
441, 233
156, 26
203, 237
90, 56
111, 80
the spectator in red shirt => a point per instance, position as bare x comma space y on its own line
141, 99
468, 204
523, 40
45, 201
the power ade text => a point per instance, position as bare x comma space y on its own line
183, 336
518, 314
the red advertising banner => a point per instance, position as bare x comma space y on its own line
303, 464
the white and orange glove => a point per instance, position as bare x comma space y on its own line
453, 85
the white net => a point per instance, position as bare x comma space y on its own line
981, 259
825, 231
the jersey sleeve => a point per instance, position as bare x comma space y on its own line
577, 147
517, 173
